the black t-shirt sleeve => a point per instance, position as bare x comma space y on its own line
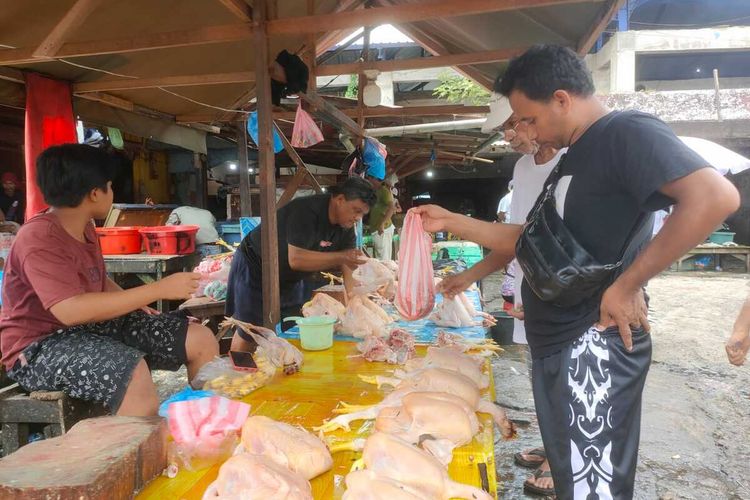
301, 224
646, 155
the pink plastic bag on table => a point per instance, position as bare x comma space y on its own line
205, 430
415, 295
305, 132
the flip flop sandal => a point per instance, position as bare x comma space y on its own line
536, 490
531, 464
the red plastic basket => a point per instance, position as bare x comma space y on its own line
170, 240
119, 240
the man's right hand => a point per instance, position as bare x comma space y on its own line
353, 258
454, 284
178, 286
434, 218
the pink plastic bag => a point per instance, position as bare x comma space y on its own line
305, 133
205, 430
415, 295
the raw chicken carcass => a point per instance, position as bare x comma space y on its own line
397, 349
448, 381
323, 304
451, 359
459, 312
437, 421
288, 446
485, 347
393, 458
366, 485
427, 380
363, 317
415, 293
253, 477
373, 276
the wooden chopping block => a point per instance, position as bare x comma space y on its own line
100, 458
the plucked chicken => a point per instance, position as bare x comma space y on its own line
484, 347
459, 312
323, 304
288, 446
397, 348
363, 317
452, 359
366, 485
393, 458
437, 421
374, 276
255, 477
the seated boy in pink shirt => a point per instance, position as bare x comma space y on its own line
65, 325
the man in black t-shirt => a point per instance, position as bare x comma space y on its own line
590, 361
315, 233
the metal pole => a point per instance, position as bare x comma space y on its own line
717, 94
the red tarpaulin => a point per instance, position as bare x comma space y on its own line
49, 122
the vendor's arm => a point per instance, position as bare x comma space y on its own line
57, 283
497, 237
457, 283
311, 261
102, 306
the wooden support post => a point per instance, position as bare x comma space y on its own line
362, 82
311, 53
242, 168
201, 184
292, 187
266, 164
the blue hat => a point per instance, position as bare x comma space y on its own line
374, 160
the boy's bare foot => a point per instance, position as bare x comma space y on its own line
737, 347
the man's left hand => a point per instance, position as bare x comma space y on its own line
623, 307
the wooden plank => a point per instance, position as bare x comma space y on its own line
147, 41
369, 112
164, 81
239, 8
292, 187
109, 100
340, 119
485, 56
400, 13
73, 18
362, 82
12, 75
605, 16
245, 208
269, 231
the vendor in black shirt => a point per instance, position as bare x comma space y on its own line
316, 233
590, 360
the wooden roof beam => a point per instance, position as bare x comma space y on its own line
399, 13
337, 21
164, 81
72, 19
436, 48
485, 56
605, 16
239, 8
340, 119
150, 41
373, 112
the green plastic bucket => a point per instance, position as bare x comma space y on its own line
315, 332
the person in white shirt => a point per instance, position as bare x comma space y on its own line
529, 175
504, 207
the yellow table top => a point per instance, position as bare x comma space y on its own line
307, 398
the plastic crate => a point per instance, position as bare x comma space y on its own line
229, 232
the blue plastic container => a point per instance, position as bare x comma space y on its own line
229, 232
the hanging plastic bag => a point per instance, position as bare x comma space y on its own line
252, 129
305, 133
415, 295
